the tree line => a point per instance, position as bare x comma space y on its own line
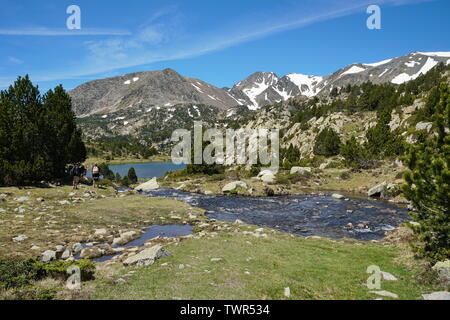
38, 134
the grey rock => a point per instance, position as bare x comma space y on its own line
22, 199
147, 256
337, 196
443, 269
20, 238
59, 248
234, 185
300, 170
48, 255
100, 232
77, 247
91, 253
424, 126
385, 294
377, 191
124, 238
148, 186
388, 277
66, 255
441, 295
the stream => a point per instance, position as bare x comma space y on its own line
303, 215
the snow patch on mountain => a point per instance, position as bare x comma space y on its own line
445, 54
353, 70
376, 64
301, 80
404, 77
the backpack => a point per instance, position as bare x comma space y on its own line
74, 171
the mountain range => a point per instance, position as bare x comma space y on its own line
167, 88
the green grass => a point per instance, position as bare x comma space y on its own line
312, 269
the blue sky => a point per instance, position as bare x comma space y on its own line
219, 42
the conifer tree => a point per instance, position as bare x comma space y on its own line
132, 175
428, 184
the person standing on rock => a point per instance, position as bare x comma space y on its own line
95, 175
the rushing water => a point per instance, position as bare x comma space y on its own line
303, 215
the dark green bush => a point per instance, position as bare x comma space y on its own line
327, 143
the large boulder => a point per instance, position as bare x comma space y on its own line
148, 186
147, 257
377, 191
234, 185
124, 238
48, 255
443, 269
300, 170
91, 253
442, 295
267, 176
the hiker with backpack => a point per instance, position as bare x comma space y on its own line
95, 175
76, 173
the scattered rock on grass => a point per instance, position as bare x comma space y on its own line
48, 255
443, 269
233, 186
388, 277
20, 238
147, 257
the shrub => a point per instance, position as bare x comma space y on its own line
132, 175
327, 143
427, 184
22, 273
355, 155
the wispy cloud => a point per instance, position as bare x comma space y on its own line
15, 60
46, 32
163, 37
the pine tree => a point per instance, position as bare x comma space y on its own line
132, 175
38, 135
327, 143
355, 155
428, 184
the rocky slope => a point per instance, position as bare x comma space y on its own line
145, 90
